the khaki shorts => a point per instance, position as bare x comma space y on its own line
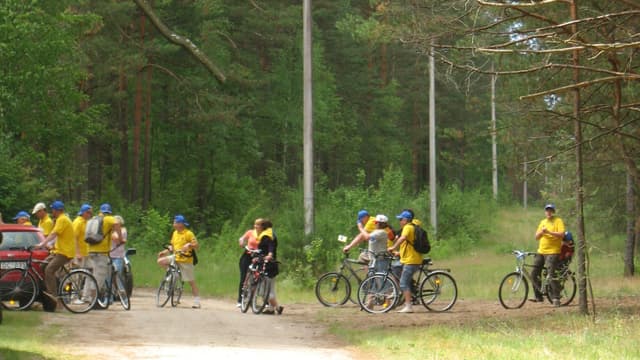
187, 271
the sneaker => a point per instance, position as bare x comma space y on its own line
279, 310
196, 305
78, 302
268, 312
406, 309
556, 302
239, 304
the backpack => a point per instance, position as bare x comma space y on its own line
93, 234
421, 240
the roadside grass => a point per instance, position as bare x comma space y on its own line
19, 340
563, 336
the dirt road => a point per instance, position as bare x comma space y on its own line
217, 330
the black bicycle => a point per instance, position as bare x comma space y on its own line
171, 285
335, 288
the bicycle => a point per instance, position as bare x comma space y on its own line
172, 285
19, 288
257, 285
436, 289
334, 288
514, 287
114, 287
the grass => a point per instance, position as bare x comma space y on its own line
564, 336
19, 341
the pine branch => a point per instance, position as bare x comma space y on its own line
180, 40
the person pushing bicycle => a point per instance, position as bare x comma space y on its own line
549, 234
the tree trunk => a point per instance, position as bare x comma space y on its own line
146, 183
629, 268
577, 129
123, 133
137, 121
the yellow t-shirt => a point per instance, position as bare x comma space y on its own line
178, 240
409, 255
79, 229
105, 245
46, 224
370, 225
65, 242
549, 244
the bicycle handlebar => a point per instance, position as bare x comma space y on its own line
522, 254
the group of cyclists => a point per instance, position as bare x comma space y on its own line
65, 240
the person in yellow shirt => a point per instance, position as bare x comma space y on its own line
23, 218
549, 234
79, 229
366, 224
183, 243
409, 257
63, 249
44, 221
99, 259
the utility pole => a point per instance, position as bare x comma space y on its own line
308, 119
494, 147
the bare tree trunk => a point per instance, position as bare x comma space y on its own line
137, 121
577, 129
630, 244
124, 129
146, 183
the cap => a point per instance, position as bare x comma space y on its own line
57, 205
84, 208
405, 215
550, 206
381, 218
105, 208
180, 220
39, 206
21, 214
362, 213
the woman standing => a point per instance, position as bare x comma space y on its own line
268, 243
250, 240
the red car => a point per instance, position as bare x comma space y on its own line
14, 241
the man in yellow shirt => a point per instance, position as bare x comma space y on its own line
549, 234
99, 259
63, 249
79, 229
183, 243
23, 218
409, 257
44, 221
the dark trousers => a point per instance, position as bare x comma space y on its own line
551, 262
245, 261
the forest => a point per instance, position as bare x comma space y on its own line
195, 107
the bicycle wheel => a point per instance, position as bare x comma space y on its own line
78, 291
118, 288
333, 289
513, 290
18, 289
178, 285
165, 290
568, 289
261, 295
438, 291
248, 289
378, 293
